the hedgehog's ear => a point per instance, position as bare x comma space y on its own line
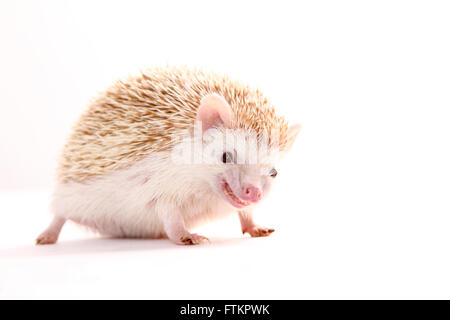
292, 133
214, 111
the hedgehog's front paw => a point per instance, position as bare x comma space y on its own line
257, 231
192, 239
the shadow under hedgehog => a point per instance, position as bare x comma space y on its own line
161, 152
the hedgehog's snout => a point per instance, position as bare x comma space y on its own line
252, 193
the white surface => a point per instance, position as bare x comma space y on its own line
361, 209
354, 251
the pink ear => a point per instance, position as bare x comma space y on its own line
214, 111
292, 133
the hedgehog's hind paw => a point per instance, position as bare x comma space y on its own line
51, 234
47, 237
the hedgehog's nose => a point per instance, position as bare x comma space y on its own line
252, 193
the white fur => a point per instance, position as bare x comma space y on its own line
133, 202
141, 200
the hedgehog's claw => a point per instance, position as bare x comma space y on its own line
192, 239
259, 231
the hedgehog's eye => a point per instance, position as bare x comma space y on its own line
273, 173
227, 157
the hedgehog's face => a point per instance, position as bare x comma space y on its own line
241, 165
242, 185
239, 169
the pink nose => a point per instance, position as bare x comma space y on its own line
252, 194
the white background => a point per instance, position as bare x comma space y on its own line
361, 209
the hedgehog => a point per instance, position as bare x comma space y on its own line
160, 152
